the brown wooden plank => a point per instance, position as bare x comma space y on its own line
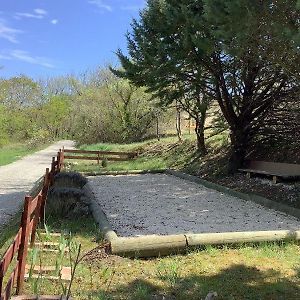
9, 286
40, 269
47, 244
120, 153
43, 297
10, 253
36, 219
33, 204
52, 234
44, 194
22, 255
65, 274
96, 158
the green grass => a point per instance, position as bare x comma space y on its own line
248, 271
13, 152
153, 155
267, 271
137, 164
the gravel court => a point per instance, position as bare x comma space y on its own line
17, 178
163, 204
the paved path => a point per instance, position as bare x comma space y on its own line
163, 204
17, 178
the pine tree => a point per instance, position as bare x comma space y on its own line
226, 50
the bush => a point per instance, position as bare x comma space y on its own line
69, 180
67, 202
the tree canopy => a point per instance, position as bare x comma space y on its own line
232, 51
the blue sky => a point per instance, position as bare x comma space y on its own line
42, 38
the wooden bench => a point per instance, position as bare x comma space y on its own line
273, 169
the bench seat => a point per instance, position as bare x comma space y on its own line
274, 169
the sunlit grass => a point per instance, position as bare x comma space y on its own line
13, 152
270, 272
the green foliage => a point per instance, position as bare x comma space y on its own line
96, 107
232, 51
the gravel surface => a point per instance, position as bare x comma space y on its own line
17, 178
163, 204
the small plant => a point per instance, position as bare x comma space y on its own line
65, 242
142, 292
104, 163
169, 272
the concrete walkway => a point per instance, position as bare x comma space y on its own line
17, 178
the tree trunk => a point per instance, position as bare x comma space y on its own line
239, 142
200, 121
157, 129
178, 124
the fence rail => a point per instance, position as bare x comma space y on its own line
33, 213
98, 155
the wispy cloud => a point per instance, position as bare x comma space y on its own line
25, 56
38, 13
101, 5
8, 33
54, 21
6, 57
36, 60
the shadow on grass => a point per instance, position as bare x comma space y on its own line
236, 282
9, 231
84, 226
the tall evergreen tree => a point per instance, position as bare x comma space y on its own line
223, 49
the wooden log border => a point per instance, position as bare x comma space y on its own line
159, 245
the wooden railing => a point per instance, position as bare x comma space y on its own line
98, 155
33, 213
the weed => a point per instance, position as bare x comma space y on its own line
169, 272
142, 292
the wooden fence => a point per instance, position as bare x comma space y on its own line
33, 213
98, 155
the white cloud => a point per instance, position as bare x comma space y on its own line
28, 15
26, 57
6, 57
101, 4
54, 21
38, 13
8, 33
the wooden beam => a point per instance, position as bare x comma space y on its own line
241, 237
148, 246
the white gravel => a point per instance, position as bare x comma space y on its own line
163, 204
17, 178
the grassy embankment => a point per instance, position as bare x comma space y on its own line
154, 155
265, 271
12, 152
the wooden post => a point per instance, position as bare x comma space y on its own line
98, 158
62, 158
275, 179
58, 160
1, 277
37, 215
44, 195
53, 165
53, 171
22, 255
